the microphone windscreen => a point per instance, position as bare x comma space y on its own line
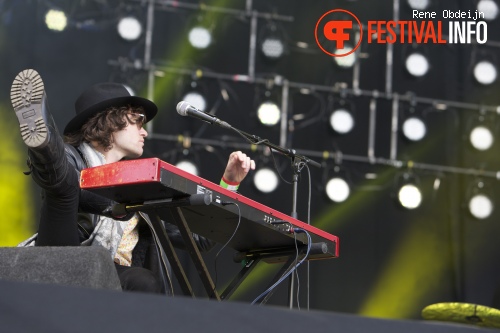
182, 108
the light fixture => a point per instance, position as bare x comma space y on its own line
195, 91
265, 180
414, 128
195, 99
335, 181
129, 28
56, 20
489, 8
409, 196
407, 185
417, 64
485, 72
185, 158
341, 121
268, 113
272, 48
419, 4
346, 61
267, 108
200, 37
271, 41
188, 166
481, 137
337, 189
480, 204
480, 130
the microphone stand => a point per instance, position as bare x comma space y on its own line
298, 162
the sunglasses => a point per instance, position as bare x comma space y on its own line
137, 118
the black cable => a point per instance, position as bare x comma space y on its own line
297, 271
247, 139
229, 240
284, 276
277, 169
161, 257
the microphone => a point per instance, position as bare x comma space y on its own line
186, 109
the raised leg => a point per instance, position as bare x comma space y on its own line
47, 160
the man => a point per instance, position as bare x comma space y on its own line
107, 128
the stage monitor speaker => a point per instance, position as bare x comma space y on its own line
79, 266
29, 307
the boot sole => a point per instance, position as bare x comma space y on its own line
26, 95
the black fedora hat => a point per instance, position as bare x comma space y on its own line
101, 96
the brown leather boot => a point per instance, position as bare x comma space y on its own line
47, 160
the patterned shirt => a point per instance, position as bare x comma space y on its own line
128, 242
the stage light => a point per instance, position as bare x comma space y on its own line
480, 206
195, 99
341, 121
481, 138
346, 61
56, 20
187, 166
269, 113
417, 64
337, 189
271, 41
265, 180
414, 129
272, 48
419, 4
489, 8
200, 37
485, 72
129, 28
409, 196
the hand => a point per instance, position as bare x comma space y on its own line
238, 166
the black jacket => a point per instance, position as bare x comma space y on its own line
92, 205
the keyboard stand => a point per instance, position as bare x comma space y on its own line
156, 208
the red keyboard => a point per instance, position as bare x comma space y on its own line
261, 228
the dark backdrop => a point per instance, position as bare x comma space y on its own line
393, 261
